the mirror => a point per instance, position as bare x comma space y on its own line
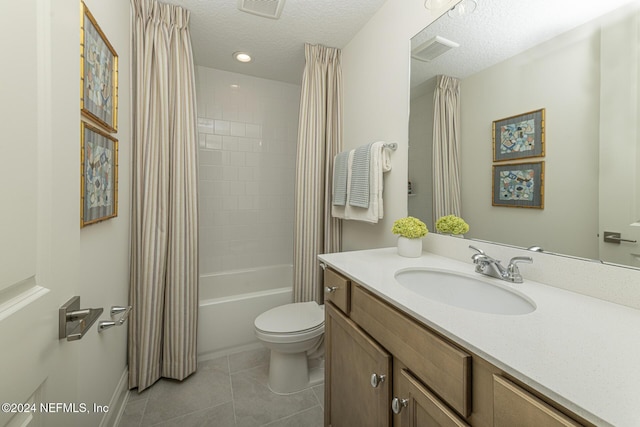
581, 63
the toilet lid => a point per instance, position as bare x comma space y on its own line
290, 318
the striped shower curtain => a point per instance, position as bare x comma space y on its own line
164, 217
319, 140
446, 147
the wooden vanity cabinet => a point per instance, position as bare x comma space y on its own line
352, 396
444, 367
423, 377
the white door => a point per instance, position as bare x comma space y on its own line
35, 366
620, 142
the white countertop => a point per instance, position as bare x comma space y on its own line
580, 351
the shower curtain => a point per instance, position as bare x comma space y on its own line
164, 218
319, 140
446, 147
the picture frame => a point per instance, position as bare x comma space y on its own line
98, 73
518, 185
98, 175
519, 137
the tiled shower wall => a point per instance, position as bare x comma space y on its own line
247, 130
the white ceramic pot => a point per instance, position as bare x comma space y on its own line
410, 248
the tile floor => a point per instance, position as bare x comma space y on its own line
230, 391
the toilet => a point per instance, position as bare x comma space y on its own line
295, 335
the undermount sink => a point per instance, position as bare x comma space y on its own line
464, 291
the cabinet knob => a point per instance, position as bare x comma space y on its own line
376, 380
330, 289
398, 404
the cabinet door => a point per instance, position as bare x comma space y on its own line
416, 406
352, 358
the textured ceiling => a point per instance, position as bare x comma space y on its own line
499, 29
218, 29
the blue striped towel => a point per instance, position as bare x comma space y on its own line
359, 191
340, 166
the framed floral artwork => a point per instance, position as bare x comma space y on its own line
98, 73
519, 137
519, 185
99, 175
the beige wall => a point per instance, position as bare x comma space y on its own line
563, 77
376, 69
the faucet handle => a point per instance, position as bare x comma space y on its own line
480, 251
513, 273
517, 259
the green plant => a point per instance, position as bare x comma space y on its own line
409, 227
451, 224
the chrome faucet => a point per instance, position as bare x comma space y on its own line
491, 267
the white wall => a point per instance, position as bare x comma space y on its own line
562, 76
247, 154
375, 67
102, 248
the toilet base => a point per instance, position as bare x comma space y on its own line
290, 373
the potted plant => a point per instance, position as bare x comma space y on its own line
451, 224
411, 231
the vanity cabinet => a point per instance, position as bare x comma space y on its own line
358, 369
383, 368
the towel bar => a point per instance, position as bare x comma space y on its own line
391, 145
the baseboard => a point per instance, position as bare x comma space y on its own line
118, 402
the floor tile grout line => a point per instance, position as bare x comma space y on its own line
233, 398
144, 411
313, 389
292, 415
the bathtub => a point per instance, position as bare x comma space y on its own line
231, 300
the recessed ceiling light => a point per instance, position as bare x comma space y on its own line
242, 56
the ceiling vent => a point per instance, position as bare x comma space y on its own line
266, 8
433, 48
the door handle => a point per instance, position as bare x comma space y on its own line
115, 310
611, 237
73, 321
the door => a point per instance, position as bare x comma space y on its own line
416, 406
36, 269
620, 143
354, 396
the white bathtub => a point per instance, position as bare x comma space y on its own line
231, 300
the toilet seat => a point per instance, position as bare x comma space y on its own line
291, 322
291, 318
